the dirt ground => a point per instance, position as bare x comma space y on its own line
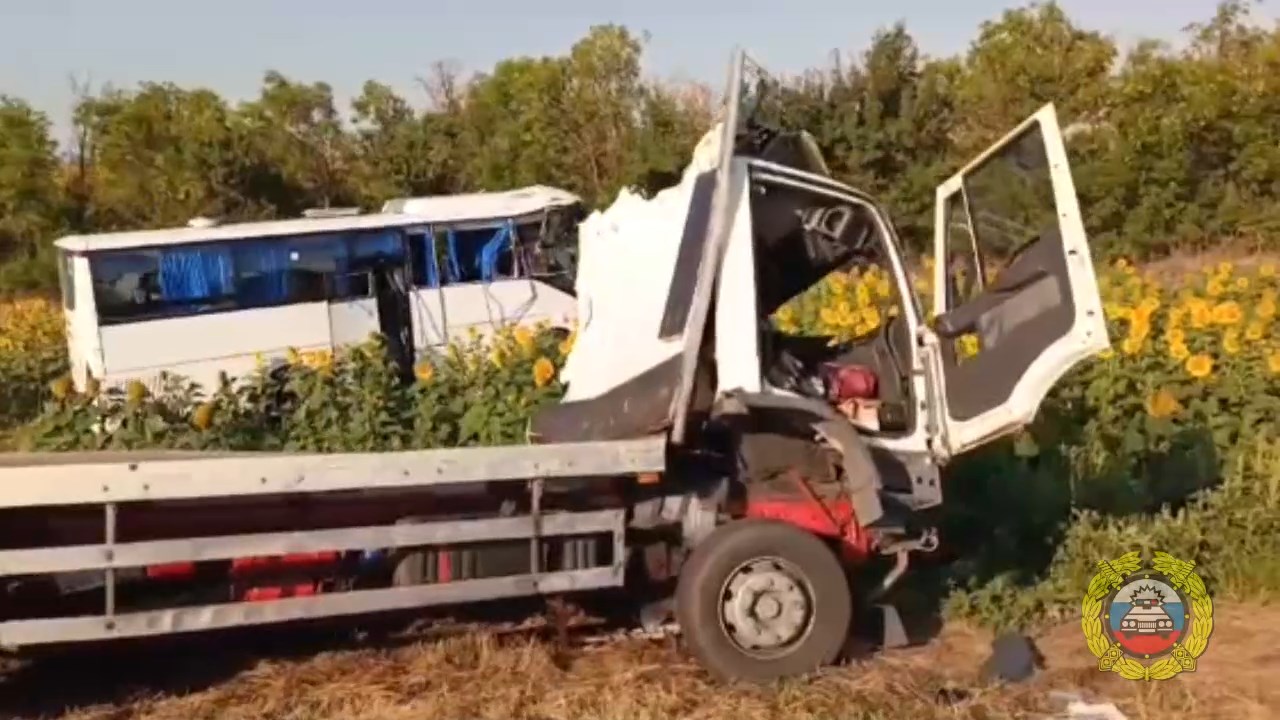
485, 675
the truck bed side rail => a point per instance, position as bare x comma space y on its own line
126, 479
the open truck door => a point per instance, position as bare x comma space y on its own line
1016, 300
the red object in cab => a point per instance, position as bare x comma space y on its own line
850, 382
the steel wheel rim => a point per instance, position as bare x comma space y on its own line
766, 607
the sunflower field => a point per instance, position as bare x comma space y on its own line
32, 354
1168, 438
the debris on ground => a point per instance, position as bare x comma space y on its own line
1014, 658
1075, 707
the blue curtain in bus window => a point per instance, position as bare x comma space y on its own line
197, 274
264, 271
492, 250
455, 270
430, 269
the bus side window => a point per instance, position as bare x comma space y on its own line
462, 249
149, 283
506, 263
364, 252
424, 263
479, 255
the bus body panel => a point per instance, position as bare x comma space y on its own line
201, 346
484, 307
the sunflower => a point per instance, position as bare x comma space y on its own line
786, 323
1199, 366
871, 316
1201, 316
524, 338
1227, 313
1231, 342
61, 387
424, 371
1162, 404
543, 372
202, 416
135, 393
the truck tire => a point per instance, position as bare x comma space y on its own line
759, 600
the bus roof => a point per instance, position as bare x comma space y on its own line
233, 231
471, 207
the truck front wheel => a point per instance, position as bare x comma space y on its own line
759, 600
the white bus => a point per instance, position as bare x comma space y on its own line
208, 298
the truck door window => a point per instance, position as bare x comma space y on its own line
964, 266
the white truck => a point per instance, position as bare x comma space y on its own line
697, 450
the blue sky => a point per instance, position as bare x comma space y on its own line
228, 44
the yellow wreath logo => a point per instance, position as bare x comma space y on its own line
1147, 623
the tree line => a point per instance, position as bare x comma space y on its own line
1172, 147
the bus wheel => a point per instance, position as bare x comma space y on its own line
759, 600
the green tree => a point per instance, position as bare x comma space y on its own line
1030, 56
160, 156
883, 124
391, 146
305, 153
602, 103
513, 128
1188, 154
31, 202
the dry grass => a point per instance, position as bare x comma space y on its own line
1240, 254
480, 675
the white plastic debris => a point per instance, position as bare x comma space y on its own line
1077, 708
626, 255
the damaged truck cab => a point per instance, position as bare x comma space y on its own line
832, 445
709, 464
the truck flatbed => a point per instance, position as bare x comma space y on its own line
110, 479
